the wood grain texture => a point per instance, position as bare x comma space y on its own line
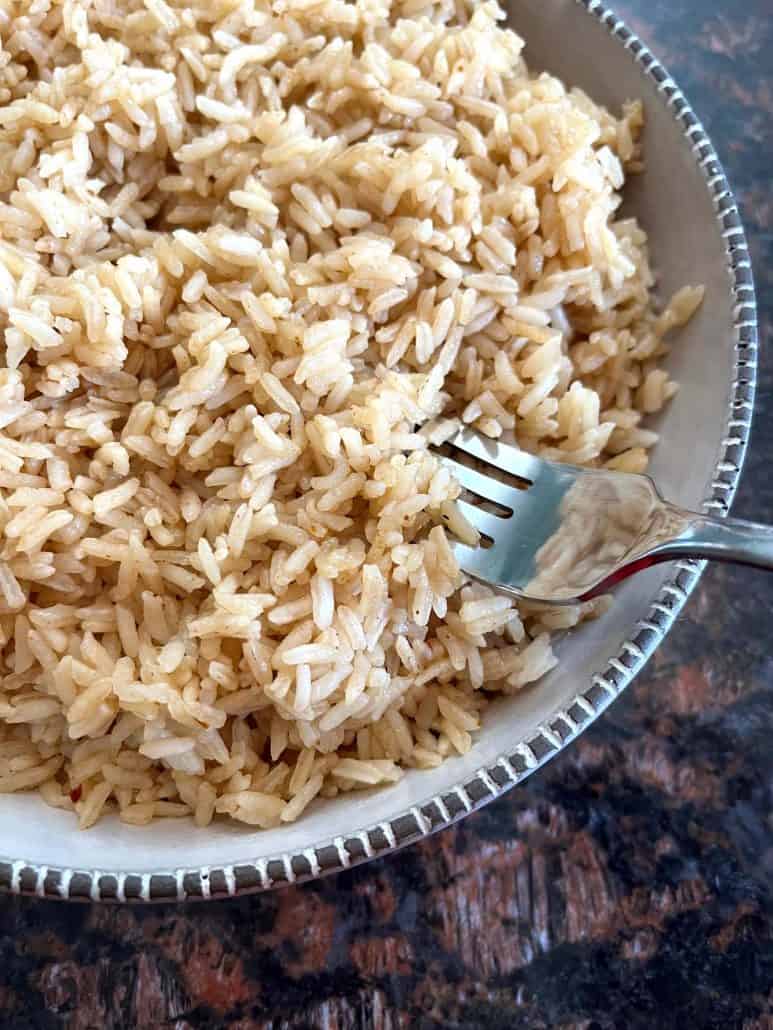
627, 885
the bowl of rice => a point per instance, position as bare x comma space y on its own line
256, 260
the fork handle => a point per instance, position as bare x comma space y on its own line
697, 536
727, 540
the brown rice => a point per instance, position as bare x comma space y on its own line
254, 258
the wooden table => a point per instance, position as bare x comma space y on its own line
628, 885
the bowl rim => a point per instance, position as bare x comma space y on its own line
437, 812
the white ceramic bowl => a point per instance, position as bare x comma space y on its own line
684, 202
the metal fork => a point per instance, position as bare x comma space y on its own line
562, 535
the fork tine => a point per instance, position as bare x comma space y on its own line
485, 522
484, 486
472, 560
503, 456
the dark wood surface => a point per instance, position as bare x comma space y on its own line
627, 885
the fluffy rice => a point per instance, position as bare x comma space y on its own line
254, 258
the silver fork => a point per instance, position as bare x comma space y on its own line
562, 535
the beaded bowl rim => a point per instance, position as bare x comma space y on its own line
490, 781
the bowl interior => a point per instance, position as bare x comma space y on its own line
673, 203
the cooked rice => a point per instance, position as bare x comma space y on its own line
253, 260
